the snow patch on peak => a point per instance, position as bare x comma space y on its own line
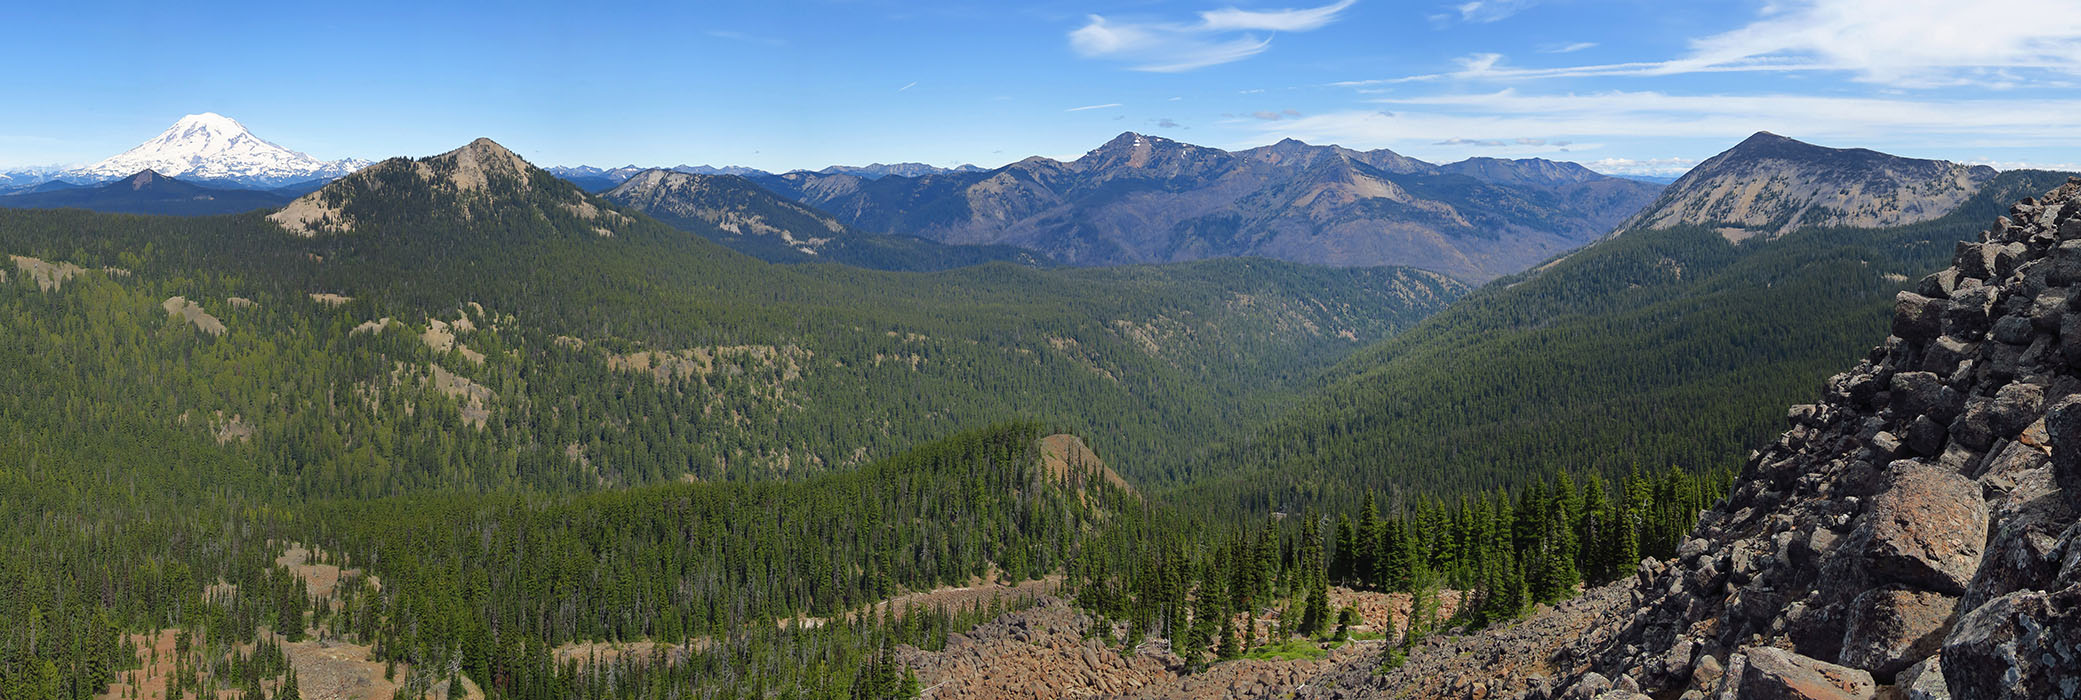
212, 146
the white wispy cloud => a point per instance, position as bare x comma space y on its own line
1220, 36
1568, 48
1899, 43
2010, 122
907, 86
1641, 166
747, 38
1491, 10
1107, 105
2025, 165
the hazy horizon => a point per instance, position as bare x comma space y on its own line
1624, 87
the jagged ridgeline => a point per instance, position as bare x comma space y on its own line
733, 211
467, 320
1664, 347
717, 590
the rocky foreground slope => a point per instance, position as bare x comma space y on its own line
1912, 535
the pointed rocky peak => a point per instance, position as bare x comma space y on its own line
475, 165
475, 181
143, 178
1131, 151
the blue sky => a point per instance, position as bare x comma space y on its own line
1642, 86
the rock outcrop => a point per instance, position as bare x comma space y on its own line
1915, 532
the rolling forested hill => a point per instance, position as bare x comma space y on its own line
458, 415
513, 319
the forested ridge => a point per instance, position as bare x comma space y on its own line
1648, 349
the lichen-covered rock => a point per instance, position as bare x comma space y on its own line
1923, 681
2022, 645
2063, 426
1776, 674
1925, 529
1892, 628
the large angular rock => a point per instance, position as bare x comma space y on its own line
1970, 313
1924, 394
1776, 674
2003, 416
1924, 680
1916, 317
1926, 528
2024, 551
2063, 427
2025, 644
1892, 628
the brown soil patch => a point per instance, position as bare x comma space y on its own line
308, 216
319, 580
48, 276
585, 653
1065, 455
475, 399
330, 299
233, 428
180, 307
337, 670
1046, 652
976, 594
663, 365
1387, 612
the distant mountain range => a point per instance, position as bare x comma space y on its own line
1141, 199
210, 146
589, 176
147, 192
737, 213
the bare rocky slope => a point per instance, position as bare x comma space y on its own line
1142, 199
1769, 185
1912, 535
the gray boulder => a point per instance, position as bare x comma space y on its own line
1917, 317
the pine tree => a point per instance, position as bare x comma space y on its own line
1366, 544
288, 691
1346, 546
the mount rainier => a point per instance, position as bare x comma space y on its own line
211, 146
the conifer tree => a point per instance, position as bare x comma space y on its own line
1366, 544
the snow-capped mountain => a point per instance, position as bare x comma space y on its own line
211, 146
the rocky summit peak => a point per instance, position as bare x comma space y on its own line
1769, 185
143, 178
482, 178
1919, 527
